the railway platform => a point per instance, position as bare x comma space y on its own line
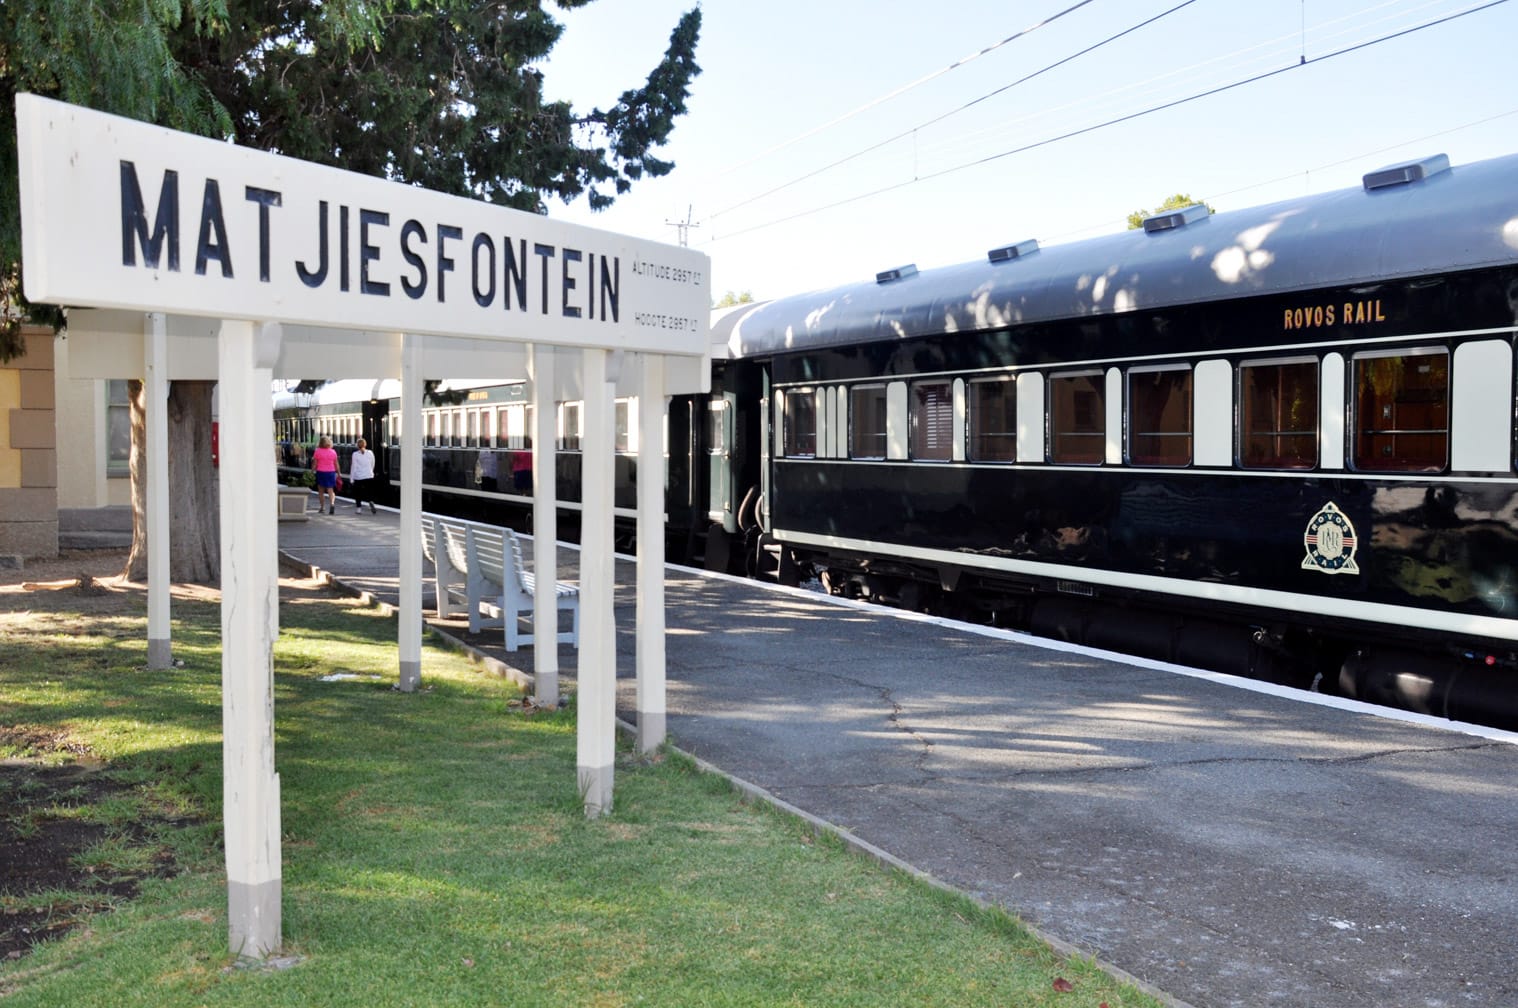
1225, 843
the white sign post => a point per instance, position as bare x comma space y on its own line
120, 214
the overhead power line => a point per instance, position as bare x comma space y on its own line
953, 112
902, 90
1116, 120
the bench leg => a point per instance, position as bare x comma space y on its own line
513, 630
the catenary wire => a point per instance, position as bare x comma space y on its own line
901, 90
940, 118
1134, 91
1116, 120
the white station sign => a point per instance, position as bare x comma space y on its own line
120, 214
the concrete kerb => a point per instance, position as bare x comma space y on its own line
489, 664
752, 791
888, 860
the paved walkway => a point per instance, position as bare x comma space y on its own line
1227, 846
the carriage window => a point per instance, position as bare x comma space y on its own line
1278, 419
993, 420
867, 422
1402, 411
800, 423
514, 430
1159, 416
432, 428
474, 429
569, 426
623, 435
716, 434
931, 409
1078, 418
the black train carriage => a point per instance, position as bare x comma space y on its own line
477, 454
1276, 441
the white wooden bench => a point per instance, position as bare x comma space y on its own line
496, 578
449, 582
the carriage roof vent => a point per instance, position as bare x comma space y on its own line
1180, 217
899, 273
1407, 172
1010, 252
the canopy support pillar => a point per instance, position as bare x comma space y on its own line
650, 616
155, 395
597, 715
545, 525
249, 624
409, 633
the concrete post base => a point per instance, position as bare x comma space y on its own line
596, 790
651, 731
253, 918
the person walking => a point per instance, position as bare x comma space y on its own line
324, 464
361, 475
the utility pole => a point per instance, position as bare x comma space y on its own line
684, 227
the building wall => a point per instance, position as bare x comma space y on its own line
28, 451
82, 424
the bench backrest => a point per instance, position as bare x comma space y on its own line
455, 543
518, 568
429, 539
488, 548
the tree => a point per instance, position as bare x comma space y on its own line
438, 93
730, 299
118, 58
1176, 202
112, 56
441, 93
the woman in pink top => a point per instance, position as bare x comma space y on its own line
324, 462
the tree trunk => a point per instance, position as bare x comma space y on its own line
195, 542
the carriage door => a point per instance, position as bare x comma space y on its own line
719, 450
375, 431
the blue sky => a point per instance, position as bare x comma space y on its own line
784, 82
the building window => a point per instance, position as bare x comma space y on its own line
993, 420
1402, 411
118, 429
800, 423
867, 422
1078, 418
931, 413
1278, 414
1159, 416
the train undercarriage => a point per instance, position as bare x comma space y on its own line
1469, 681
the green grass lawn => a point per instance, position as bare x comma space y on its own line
435, 851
